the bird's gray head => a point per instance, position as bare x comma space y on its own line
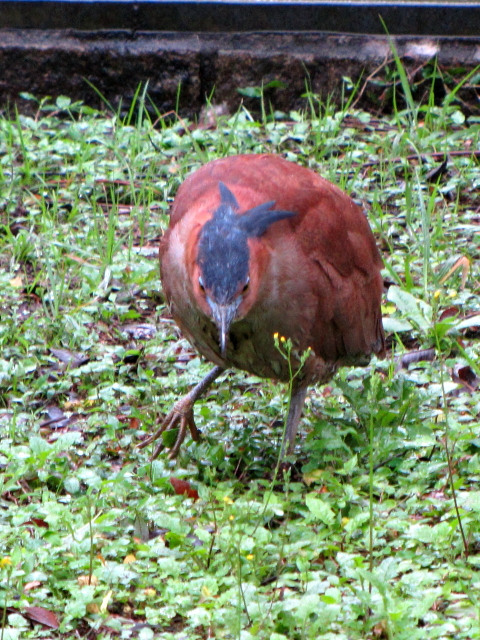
223, 256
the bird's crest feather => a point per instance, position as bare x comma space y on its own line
253, 222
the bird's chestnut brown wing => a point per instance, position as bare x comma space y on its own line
342, 257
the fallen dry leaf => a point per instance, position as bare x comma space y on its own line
182, 487
43, 616
84, 581
17, 282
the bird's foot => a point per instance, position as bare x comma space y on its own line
180, 416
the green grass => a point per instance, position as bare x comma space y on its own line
376, 532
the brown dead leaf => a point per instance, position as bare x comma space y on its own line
182, 487
42, 616
462, 263
56, 418
449, 312
130, 559
380, 630
437, 172
92, 607
134, 423
84, 581
412, 357
70, 358
38, 522
465, 376
17, 282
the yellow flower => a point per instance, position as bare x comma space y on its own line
6, 561
231, 518
250, 556
227, 500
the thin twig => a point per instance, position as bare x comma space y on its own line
367, 80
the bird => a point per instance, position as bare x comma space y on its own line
260, 247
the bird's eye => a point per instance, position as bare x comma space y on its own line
246, 285
200, 283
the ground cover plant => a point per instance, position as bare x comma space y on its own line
373, 533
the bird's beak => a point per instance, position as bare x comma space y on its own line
223, 315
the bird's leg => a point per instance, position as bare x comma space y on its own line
182, 415
297, 400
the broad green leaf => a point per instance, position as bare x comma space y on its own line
414, 309
319, 509
395, 325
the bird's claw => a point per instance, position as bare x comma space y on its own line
180, 416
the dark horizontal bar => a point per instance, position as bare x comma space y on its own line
444, 18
